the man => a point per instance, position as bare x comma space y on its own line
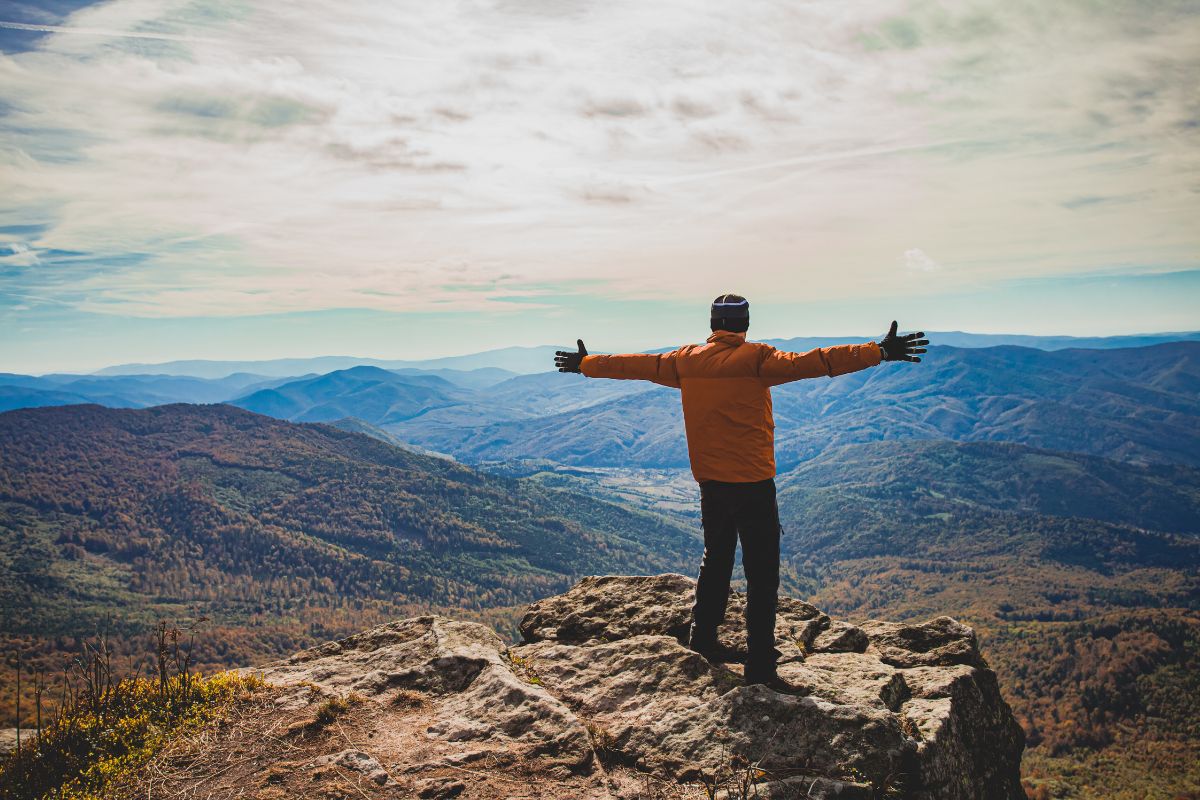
726, 391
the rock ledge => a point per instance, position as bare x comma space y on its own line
602, 679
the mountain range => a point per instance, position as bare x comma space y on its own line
507, 361
1133, 404
1129, 403
535, 359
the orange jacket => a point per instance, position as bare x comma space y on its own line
726, 387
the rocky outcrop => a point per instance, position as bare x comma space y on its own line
602, 681
481, 699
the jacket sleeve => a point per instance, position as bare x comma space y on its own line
779, 366
657, 367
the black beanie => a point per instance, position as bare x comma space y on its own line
730, 312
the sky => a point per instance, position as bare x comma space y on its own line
236, 179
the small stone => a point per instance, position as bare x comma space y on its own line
841, 637
358, 761
440, 788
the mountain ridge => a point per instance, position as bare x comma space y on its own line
533, 357
1135, 404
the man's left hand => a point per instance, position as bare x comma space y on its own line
903, 348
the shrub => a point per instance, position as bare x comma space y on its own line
106, 726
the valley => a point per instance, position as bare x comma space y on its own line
1049, 498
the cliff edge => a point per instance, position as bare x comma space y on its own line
601, 700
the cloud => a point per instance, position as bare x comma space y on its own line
207, 158
19, 255
915, 260
612, 192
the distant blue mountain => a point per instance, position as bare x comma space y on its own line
371, 394
1132, 404
973, 340
13, 396
501, 364
120, 391
527, 360
467, 378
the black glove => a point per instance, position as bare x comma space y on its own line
566, 361
902, 348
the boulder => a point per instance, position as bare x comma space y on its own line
963, 729
880, 707
841, 637
942, 641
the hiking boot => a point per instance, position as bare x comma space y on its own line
713, 650
768, 677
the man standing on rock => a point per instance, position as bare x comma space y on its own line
726, 390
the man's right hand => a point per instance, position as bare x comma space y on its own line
902, 348
566, 361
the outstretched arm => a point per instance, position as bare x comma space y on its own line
656, 367
780, 367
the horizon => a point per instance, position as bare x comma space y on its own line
413, 183
1185, 336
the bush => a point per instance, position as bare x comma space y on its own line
106, 727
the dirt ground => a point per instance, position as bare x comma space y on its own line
293, 743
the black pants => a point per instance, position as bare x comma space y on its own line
748, 510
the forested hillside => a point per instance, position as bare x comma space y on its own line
1081, 574
281, 534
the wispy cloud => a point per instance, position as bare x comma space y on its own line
213, 159
915, 260
107, 33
